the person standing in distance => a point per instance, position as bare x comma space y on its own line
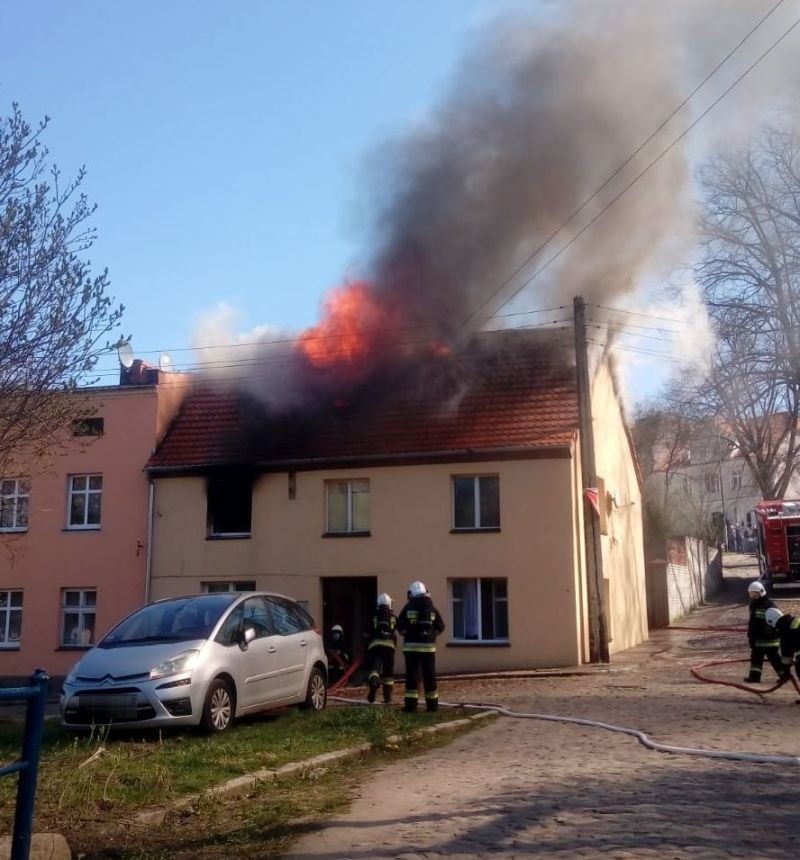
419, 623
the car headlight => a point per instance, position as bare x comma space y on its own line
182, 662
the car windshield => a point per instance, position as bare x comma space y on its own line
177, 620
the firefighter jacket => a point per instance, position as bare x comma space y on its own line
759, 633
382, 630
789, 629
419, 623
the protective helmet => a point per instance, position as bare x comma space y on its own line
756, 589
384, 600
337, 628
417, 589
772, 615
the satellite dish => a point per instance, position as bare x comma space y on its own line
125, 353
165, 362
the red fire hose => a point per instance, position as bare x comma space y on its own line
337, 685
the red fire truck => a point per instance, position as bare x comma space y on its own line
778, 527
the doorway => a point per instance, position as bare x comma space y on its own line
349, 601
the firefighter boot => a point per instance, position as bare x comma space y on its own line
432, 705
387, 694
373, 682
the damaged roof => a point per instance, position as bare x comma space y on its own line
509, 392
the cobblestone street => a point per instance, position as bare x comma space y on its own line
526, 787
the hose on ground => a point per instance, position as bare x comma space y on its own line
639, 735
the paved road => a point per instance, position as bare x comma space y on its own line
528, 788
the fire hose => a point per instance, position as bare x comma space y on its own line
642, 737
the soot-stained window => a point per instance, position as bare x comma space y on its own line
230, 505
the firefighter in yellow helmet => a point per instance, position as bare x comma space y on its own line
419, 623
788, 629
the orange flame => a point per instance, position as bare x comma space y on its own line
351, 329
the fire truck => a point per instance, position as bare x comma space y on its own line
778, 528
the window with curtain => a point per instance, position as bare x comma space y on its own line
347, 506
479, 609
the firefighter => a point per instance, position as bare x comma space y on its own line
763, 640
338, 658
788, 628
380, 650
419, 623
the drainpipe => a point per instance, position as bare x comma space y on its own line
149, 562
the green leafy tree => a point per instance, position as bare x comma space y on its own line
55, 317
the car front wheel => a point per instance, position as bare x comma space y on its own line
218, 708
317, 692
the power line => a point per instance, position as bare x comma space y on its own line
638, 313
624, 164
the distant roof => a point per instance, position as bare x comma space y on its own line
503, 391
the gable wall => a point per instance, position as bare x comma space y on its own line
622, 544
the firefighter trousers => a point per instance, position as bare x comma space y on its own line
380, 672
421, 663
757, 655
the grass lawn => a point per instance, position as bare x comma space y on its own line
90, 786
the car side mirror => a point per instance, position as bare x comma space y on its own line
247, 636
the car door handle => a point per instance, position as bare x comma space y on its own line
272, 649
303, 643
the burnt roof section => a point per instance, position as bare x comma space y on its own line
503, 391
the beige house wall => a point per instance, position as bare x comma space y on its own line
111, 559
621, 518
411, 517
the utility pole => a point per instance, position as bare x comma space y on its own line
598, 627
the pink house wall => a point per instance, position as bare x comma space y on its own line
111, 560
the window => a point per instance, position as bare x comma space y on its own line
687, 485
287, 618
479, 609
347, 507
220, 587
85, 498
736, 481
78, 607
14, 504
230, 505
10, 618
712, 483
88, 427
476, 502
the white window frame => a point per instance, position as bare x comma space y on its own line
7, 644
712, 482
479, 640
476, 489
736, 480
221, 587
82, 609
349, 527
87, 493
19, 497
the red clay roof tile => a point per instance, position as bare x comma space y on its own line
502, 391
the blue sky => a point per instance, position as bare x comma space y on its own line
225, 142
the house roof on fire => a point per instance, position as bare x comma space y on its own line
505, 392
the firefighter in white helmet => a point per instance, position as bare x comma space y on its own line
788, 629
336, 651
763, 640
419, 623
380, 650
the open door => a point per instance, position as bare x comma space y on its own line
349, 601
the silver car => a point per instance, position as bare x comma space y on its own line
201, 660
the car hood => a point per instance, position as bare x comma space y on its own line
129, 661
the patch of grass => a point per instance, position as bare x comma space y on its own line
88, 784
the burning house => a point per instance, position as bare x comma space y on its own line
458, 467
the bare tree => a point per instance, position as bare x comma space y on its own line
55, 318
749, 273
